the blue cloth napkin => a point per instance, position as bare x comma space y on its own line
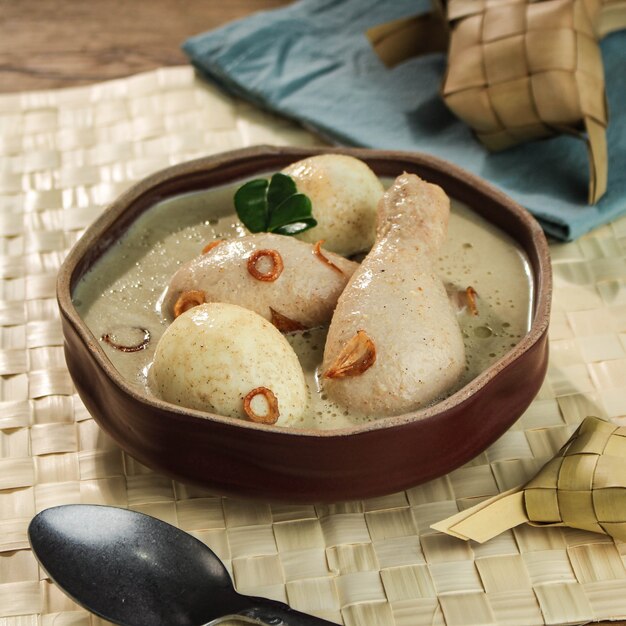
312, 62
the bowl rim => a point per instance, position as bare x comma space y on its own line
71, 271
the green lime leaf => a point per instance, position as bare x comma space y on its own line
281, 187
251, 205
294, 209
274, 206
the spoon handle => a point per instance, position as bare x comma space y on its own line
274, 613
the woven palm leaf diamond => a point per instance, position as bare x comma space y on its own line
518, 69
583, 486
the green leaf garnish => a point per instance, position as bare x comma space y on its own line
274, 206
295, 209
280, 188
251, 205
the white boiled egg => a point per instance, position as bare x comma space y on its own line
225, 359
344, 194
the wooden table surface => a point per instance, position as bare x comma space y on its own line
46, 44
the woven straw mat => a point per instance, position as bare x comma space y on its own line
64, 155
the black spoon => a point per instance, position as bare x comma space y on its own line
135, 570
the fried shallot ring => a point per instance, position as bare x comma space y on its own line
357, 356
277, 265
317, 251
285, 324
470, 294
187, 300
211, 245
272, 414
142, 345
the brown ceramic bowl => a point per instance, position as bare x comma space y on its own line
235, 457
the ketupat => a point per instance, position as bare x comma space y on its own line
583, 486
518, 69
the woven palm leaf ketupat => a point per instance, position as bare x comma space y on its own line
583, 486
519, 70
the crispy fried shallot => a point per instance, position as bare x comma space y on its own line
187, 300
285, 324
357, 356
142, 345
276, 269
470, 294
317, 251
272, 414
211, 245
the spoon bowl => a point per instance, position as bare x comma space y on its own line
135, 570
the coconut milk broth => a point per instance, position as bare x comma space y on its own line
124, 289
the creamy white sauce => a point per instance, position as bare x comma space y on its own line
123, 290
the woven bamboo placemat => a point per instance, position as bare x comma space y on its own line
63, 156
